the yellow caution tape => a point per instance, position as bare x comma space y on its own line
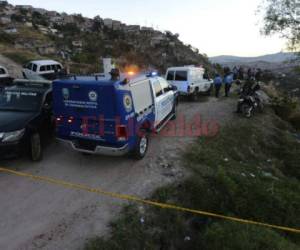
148, 202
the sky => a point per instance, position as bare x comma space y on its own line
215, 27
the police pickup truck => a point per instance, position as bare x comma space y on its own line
112, 117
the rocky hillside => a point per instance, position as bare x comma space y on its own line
29, 33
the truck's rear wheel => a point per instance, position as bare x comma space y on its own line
141, 146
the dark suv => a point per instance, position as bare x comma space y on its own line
25, 118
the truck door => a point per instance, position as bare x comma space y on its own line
158, 101
164, 99
168, 98
28, 70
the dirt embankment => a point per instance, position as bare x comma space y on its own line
14, 69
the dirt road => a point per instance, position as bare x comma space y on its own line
37, 215
14, 69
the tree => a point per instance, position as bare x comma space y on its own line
283, 17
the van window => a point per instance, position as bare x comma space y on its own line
170, 76
2, 71
181, 76
34, 67
48, 67
58, 67
42, 68
157, 89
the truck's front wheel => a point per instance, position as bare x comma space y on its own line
36, 153
141, 146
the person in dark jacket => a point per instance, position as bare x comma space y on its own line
115, 74
228, 80
218, 84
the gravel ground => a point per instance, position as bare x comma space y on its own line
36, 215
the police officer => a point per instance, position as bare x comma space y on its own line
228, 80
218, 84
115, 74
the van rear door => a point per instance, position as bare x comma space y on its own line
181, 80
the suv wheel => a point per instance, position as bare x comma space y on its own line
141, 146
35, 147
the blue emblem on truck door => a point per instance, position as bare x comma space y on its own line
93, 96
127, 103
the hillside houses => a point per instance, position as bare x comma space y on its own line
24, 7
84, 40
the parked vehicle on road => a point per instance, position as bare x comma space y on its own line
25, 118
189, 80
48, 69
112, 117
5, 78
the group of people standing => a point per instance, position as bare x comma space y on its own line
230, 76
227, 80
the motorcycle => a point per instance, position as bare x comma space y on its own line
250, 102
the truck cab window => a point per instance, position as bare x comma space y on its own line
181, 76
29, 66
34, 67
170, 76
164, 84
157, 88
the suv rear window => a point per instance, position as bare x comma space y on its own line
181, 76
170, 76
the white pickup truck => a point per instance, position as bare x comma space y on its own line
189, 80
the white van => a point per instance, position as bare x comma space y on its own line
44, 68
189, 80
